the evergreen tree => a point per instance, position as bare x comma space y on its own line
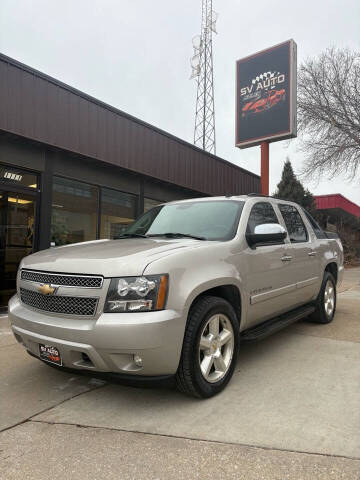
290, 188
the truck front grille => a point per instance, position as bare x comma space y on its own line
59, 304
66, 280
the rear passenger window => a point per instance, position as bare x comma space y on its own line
261, 212
294, 224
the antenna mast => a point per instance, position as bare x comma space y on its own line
202, 69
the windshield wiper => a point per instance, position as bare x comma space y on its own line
176, 235
130, 235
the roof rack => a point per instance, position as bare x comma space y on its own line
258, 195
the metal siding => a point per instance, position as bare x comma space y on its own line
38, 109
27, 103
3, 94
42, 109
12, 100
61, 116
122, 142
138, 144
101, 146
83, 127
177, 173
54, 121
336, 200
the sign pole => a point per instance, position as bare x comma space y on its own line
265, 168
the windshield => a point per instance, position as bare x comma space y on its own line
208, 220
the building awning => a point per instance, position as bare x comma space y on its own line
339, 208
336, 200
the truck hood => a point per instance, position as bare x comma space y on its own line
110, 258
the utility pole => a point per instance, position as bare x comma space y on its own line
202, 69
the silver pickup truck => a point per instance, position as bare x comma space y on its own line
178, 291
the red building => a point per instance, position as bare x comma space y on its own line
340, 214
336, 202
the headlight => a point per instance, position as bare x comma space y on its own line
136, 294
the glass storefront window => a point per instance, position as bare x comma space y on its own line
74, 212
150, 203
118, 210
10, 176
17, 237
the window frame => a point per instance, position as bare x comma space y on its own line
92, 185
100, 206
311, 220
279, 222
34, 192
99, 188
284, 222
6, 185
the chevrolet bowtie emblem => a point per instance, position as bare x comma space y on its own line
46, 289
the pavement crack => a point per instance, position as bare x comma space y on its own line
217, 442
96, 387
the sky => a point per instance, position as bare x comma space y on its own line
135, 55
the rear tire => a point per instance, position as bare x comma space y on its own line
326, 301
210, 348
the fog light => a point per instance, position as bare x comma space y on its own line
138, 361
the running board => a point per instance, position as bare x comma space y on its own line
275, 324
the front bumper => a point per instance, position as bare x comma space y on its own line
107, 343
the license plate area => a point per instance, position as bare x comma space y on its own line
50, 354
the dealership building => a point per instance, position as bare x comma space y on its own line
73, 168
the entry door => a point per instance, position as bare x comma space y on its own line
268, 282
268, 278
303, 266
17, 237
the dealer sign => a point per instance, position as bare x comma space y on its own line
266, 96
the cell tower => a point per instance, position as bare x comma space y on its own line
202, 69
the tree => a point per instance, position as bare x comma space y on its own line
329, 113
290, 188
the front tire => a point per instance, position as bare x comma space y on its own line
326, 301
210, 348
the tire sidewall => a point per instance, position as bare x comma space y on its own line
324, 317
205, 388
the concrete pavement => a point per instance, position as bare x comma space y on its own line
288, 392
60, 452
28, 387
298, 391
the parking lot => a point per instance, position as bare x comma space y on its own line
291, 412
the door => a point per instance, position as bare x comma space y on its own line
17, 237
269, 283
302, 264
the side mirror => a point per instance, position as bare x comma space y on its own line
266, 233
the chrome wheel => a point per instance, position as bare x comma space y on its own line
329, 298
216, 348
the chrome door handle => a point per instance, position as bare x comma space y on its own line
286, 258
312, 254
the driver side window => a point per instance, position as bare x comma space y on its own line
261, 212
